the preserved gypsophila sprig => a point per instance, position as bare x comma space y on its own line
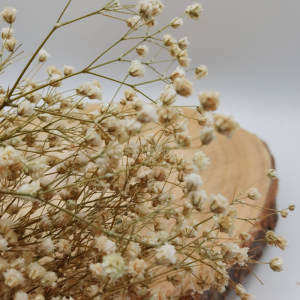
96, 205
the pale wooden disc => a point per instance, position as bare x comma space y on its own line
236, 165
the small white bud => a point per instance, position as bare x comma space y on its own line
272, 174
253, 194
8, 15
43, 55
136, 69
276, 264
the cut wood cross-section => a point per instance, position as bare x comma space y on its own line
236, 164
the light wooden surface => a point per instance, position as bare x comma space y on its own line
236, 164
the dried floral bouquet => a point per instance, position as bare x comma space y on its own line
98, 205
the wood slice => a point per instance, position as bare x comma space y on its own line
236, 164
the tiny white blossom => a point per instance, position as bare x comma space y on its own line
276, 264
136, 268
30, 189
91, 90
218, 204
179, 72
209, 100
7, 33
165, 255
47, 118
253, 194
168, 96
3, 244
272, 174
176, 23
53, 80
10, 44
25, 109
97, 270
183, 87
142, 51
133, 22
194, 11
201, 160
207, 135
147, 114
193, 181
113, 265
46, 246
68, 70
13, 278
105, 245
137, 69
49, 280
201, 72
43, 55
20, 295
8, 15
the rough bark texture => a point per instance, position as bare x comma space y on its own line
267, 222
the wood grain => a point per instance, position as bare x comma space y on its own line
236, 164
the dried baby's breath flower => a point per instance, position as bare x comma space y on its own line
8, 15
97, 270
166, 254
7, 33
47, 118
276, 264
272, 174
145, 9
244, 236
20, 295
169, 40
136, 268
183, 43
68, 70
179, 72
197, 198
43, 55
133, 22
10, 44
147, 114
177, 22
194, 11
137, 69
253, 194
274, 240
90, 90
207, 135
209, 100
284, 213
13, 278
226, 125
36, 271
241, 292
292, 207
29, 189
113, 265
142, 51
98, 204
3, 244
201, 160
183, 87
193, 181
168, 96
219, 204
201, 72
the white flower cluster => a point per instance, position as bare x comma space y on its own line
95, 204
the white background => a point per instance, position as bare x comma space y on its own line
251, 49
